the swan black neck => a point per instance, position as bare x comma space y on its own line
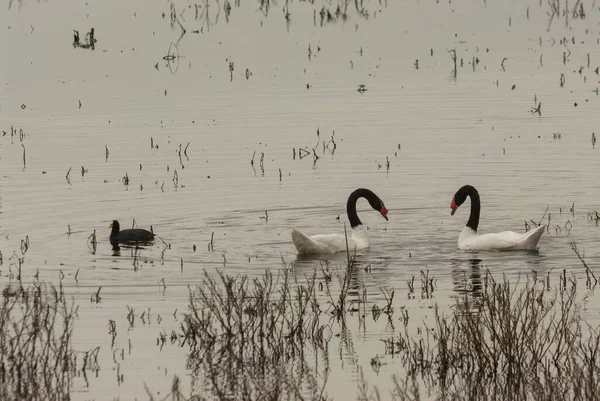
471, 192
351, 204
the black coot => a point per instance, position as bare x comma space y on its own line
129, 236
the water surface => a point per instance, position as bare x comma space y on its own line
437, 129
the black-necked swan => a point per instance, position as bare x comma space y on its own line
503, 241
331, 243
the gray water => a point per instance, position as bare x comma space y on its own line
437, 129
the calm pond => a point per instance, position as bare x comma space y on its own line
223, 126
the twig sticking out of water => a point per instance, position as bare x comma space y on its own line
112, 330
185, 151
554, 11
25, 245
544, 215
96, 298
302, 153
68, 176
211, 244
453, 56
175, 19
593, 140
90, 41
92, 243
18, 263
315, 158
388, 294
130, 316
588, 271
175, 179
411, 287
537, 109
262, 165
579, 12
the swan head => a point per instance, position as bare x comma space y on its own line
453, 206
377, 204
460, 197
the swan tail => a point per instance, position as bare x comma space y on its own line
531, 239
301, 241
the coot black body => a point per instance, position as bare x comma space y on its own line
130, 236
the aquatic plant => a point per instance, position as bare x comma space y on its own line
37, 361
257, 339
506, 342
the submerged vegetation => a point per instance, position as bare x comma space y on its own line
37, 361
269, 338
257, 339
274, 336
508, 342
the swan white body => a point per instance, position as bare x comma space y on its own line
358, 239
504, 241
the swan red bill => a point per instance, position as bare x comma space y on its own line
384, 212
453, 207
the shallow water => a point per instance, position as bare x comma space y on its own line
437, 131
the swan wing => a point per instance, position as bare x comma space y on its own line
503, 241
320, 243
328, 243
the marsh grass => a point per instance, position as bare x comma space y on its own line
257, 339
510, 342
265, 338
37, 361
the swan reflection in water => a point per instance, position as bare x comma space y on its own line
331, 266
467, 283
